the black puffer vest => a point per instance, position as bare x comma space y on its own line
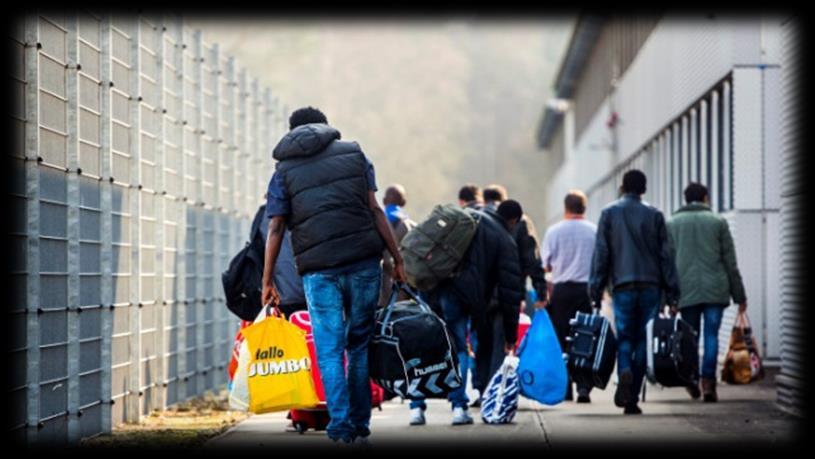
330, 222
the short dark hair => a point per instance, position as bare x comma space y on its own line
306, 115
634, 182
495, 192
575, 202
469, 192
695, 192
394, 194
510, 209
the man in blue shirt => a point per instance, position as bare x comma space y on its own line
323, 190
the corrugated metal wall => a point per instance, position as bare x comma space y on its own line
141, 154
725, 139
791, 380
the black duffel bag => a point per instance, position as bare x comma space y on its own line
411, 354
243, 279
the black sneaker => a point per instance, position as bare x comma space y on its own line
694, 391
632, 408
623, 394
476, 403
583, 398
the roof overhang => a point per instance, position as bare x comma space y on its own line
584, 37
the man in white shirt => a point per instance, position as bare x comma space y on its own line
568, 247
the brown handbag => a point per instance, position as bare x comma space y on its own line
742, 363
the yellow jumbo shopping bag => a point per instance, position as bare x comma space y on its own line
279, 367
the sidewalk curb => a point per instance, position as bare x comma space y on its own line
226, 432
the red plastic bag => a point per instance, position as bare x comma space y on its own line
236, 348
524, 322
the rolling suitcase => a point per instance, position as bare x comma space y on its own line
317, 418
672, 352
592, 349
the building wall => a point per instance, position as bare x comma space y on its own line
140, 157
698, 102
792, 379
618, 44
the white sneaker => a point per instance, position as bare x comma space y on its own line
461, 416
417, 417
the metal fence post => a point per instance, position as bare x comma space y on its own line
72, 165
159, 384
32, 150
134, 381
106, 255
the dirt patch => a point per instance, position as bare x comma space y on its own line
186, 425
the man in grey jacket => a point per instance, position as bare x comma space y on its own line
634, 256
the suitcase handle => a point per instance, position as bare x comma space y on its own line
665, 311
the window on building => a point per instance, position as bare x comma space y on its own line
697, 146
704, 143
693, 147
677, 166
715, 147
726, 152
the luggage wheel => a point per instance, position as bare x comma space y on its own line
301, 427
380, 407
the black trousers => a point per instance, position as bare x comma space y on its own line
566, 300
489, 353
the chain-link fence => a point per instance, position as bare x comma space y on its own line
140, 156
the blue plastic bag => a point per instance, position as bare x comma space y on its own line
542, 370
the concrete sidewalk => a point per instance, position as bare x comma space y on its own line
744, 415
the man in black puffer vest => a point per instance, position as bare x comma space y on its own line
323, 189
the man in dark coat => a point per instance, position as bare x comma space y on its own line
634, 255
490, 263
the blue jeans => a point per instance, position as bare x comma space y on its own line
633, 308
342, 308
457, 321
474, 346
713, 321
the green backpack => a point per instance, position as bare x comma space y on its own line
434, 248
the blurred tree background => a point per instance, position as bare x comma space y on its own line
434, 103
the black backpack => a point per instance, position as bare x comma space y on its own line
243, 279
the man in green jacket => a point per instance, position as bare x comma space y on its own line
708, 276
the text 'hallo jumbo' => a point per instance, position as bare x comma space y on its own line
271, 362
